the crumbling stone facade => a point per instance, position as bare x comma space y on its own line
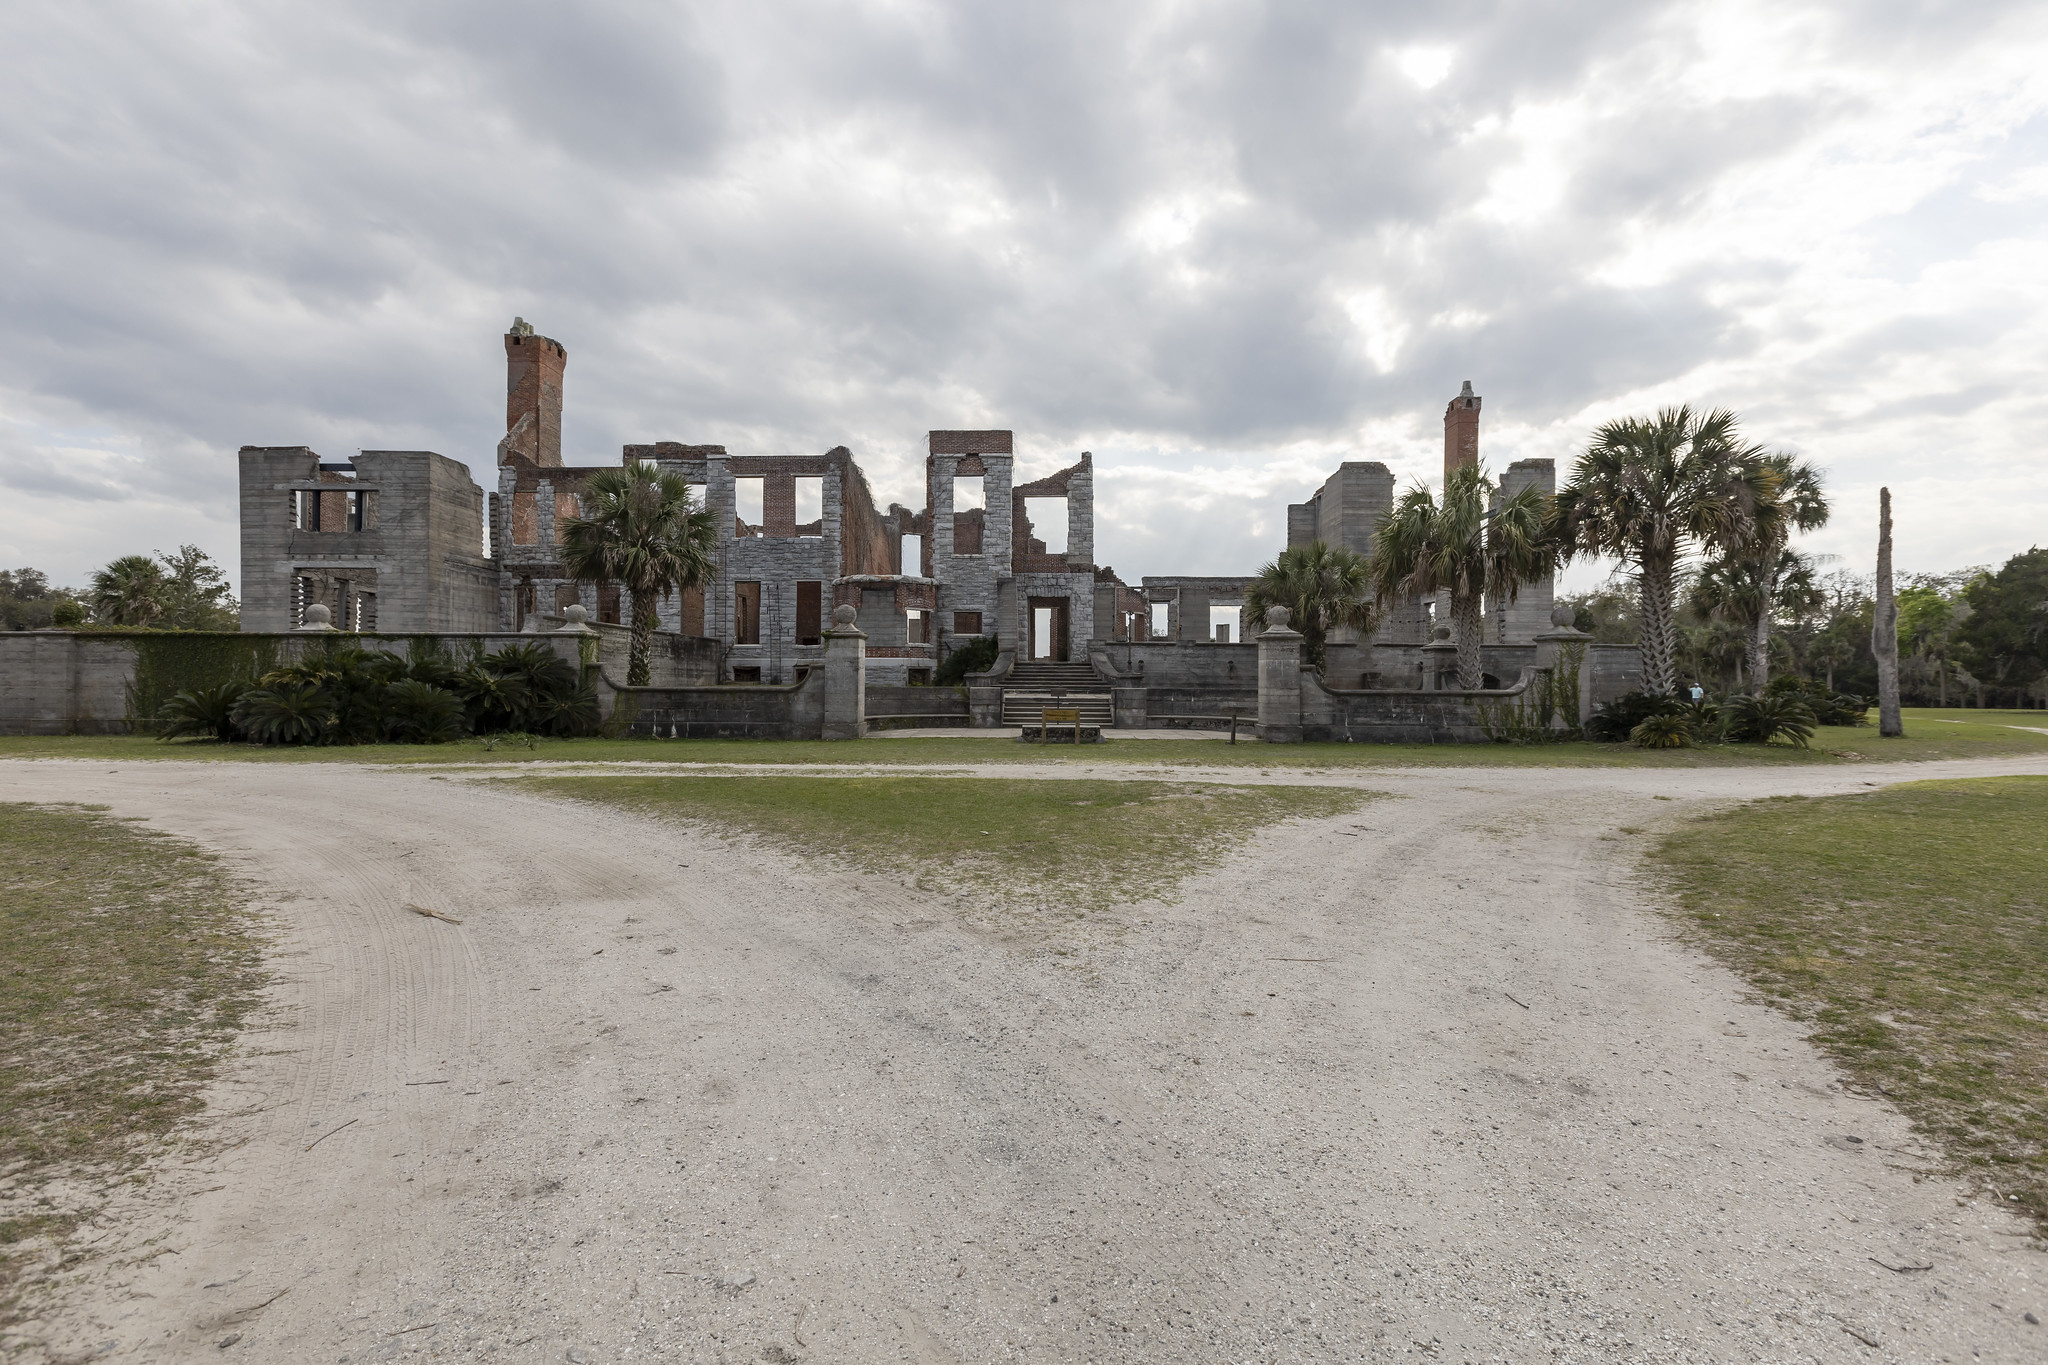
392, 540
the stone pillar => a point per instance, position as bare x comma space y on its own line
1279, 680
1550, 648
1131, 707
1440, 662
846, 677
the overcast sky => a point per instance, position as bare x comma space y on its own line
1223, 246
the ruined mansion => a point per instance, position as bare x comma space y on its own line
825, 615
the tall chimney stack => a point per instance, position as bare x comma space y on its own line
1461, 431
533, 394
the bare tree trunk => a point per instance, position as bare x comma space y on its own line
1884, 626
1941, 680
646, 616
1467, 627
1657, 647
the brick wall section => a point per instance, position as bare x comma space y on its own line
1461, 431
533, 388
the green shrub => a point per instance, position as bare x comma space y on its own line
202, 713
1829, 708
1773, 716
284, 712
417, 712
1668, 730
1617, 720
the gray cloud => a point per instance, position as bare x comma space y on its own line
1201, 232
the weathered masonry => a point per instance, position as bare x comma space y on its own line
404, 542
392, 540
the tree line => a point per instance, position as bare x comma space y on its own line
181, 591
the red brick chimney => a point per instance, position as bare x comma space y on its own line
533, 394
1461, 431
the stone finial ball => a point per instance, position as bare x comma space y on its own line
1562, 615
319, 615
1277, 617
576, 614
1442, 633
843, 614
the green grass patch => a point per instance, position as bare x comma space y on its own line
1909, 926
1005, 844
126, 962
1930, 734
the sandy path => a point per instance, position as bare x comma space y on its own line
1296, 1116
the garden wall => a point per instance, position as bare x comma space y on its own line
85, 682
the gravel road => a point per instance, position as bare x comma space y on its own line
1430, 1079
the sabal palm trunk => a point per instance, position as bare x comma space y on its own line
1468, 627
1766, 603
1658, 648
645, 619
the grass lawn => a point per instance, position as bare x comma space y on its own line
1930, 734
1074, 845
126, 961
1910, 927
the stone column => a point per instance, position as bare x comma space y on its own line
1550, 648
846, 677
1440, 662
1279, 680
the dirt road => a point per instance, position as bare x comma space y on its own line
1427, 1079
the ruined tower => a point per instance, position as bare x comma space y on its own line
1461, 431
533, 395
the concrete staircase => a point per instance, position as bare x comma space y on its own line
1041, 684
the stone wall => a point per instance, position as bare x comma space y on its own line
732, 711
63, 682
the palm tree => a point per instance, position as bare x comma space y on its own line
1796, 503
1650, 490
1463, 548
1323, 587
1744, 590
641, 529
128, 592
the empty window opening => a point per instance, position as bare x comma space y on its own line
609, 602
363, 611
749, 506
567, 595
969, 493
911, 559
1160, 619
810, 598
1048, 517
918, 677
967, 623
692, 622
305, 510
810, 505
746, 614
746, 675
1223, 623
918, 624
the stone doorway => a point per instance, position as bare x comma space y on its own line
1047, 619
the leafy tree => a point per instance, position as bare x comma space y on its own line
2005, 637
1465, 548
978, 655
1928, 618
194, 593
642, 529
1608, 612
1323, 587
28, 602
128, 592
1652, 490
